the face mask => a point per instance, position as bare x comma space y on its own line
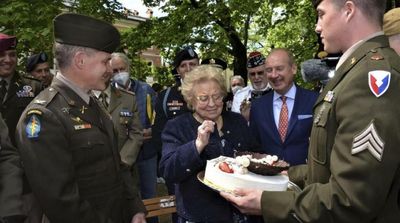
236, 89
121, 78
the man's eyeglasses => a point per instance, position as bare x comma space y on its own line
205, 99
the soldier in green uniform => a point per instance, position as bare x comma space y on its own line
10, 179
16, 91
66, 139
353, 172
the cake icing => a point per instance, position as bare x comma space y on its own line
239, 177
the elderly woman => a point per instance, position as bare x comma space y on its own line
191, 139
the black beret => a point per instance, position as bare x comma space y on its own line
7, 42
34, 60
80, 30
255, 59
186, 54
215, 61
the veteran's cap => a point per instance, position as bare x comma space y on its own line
255, 59
216, 62
391, 22
186, 54
7, 42
35, 60
80, 30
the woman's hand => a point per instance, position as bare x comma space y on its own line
203, 134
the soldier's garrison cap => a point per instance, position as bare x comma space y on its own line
391, 22
81, 30
7, 42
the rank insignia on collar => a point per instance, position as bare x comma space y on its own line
33, 127
77, 119
82, 110
379, 81
329, 96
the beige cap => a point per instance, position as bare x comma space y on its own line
391, 22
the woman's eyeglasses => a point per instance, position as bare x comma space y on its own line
205, 99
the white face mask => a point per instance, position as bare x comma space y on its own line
236, 89
121, 78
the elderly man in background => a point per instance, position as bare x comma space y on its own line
258, 87
67, 140
38, 67
391, 28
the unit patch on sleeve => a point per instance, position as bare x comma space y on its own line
379, 81
33, 126
369, 140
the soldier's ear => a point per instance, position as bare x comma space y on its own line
79, 59
349, 9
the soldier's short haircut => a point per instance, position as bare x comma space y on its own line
124, 58
64, 53
373, 9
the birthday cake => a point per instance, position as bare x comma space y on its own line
232, 173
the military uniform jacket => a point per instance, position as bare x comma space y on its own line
126, 120
354, 155
170, 103
20, 93
70, 155
10, 176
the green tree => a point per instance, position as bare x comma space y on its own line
32, 20
228, 29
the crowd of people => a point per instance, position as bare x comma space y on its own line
88, 143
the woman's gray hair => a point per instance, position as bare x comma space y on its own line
64, 53
201, 74
124, 58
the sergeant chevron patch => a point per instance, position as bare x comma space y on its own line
369, 140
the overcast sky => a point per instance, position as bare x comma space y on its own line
138, 5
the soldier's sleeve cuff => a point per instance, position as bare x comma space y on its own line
277, 206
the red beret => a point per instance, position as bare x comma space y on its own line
7, 42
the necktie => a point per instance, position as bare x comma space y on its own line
283, 119
103, 98
3, 90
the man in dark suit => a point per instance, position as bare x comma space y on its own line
16, 91
66, 139
283, 126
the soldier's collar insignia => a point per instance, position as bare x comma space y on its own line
353, 60
33, 127
329, 96
83, 109
379, 81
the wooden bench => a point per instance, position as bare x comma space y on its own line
160, 206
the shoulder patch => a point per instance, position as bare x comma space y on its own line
379, 81
33, 126
369, 140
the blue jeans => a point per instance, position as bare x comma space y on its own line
148, 180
